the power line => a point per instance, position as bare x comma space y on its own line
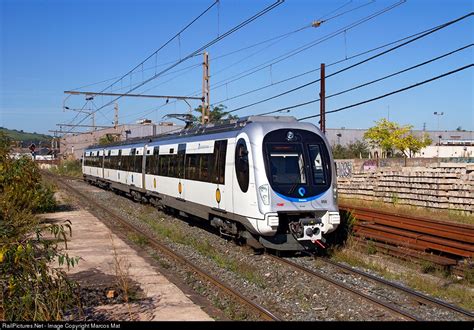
318, 68
350, 10
229, 32
356, 64
166, 43
282, 36
370, 82
154, 53
300, 49
316, 23
394, 92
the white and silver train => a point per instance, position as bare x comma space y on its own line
269, 180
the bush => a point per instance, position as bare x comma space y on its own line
32, 289
69, 168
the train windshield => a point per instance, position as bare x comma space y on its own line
316, 159
297, 162
287, 164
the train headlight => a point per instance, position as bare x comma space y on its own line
264, 191
334, 190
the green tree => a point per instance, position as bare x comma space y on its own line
356, 149
108, 138
339, 152
409, 144
381, 135
389, 136
216, 113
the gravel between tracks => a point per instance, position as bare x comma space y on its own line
281, 289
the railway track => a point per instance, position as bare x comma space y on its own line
440, 242
415, 295
257, 309
391, 308
267, 315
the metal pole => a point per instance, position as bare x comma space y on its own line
116, 115
205, 90
322, 100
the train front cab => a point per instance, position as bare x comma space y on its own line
295, 187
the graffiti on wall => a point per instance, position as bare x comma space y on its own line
344, 168
369, 165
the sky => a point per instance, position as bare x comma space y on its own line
50, 46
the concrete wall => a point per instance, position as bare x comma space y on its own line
446, 151
424, 182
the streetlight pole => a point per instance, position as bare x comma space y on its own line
438, 114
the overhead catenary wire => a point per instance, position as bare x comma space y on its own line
165, 44
278, 39
300, 49
212, 42
151, 110
372, 81
319, 68
440, 27
154, 53
235, 51
393, 92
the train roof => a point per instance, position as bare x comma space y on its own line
226, 126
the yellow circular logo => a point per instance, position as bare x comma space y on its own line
180, 188
218, 195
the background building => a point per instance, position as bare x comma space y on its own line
72, 146
444, 143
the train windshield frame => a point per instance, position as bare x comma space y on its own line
296, 159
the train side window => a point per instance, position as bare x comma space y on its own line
138, 163
218, 171
242, 164
172, 166
164, 160
204, 168
191, 167
118, 163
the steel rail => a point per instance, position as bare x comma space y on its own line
386, 306
414, 232
428, 222
415, 294
262, 312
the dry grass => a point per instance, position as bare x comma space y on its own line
122, 273
173, 233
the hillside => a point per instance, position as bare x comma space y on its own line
16, 135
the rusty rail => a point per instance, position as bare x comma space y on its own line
442, 242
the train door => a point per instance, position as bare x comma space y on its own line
146, 153
243, 183
122, 165
223, 190
179, 164
102, 161
138, 167
131, 176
